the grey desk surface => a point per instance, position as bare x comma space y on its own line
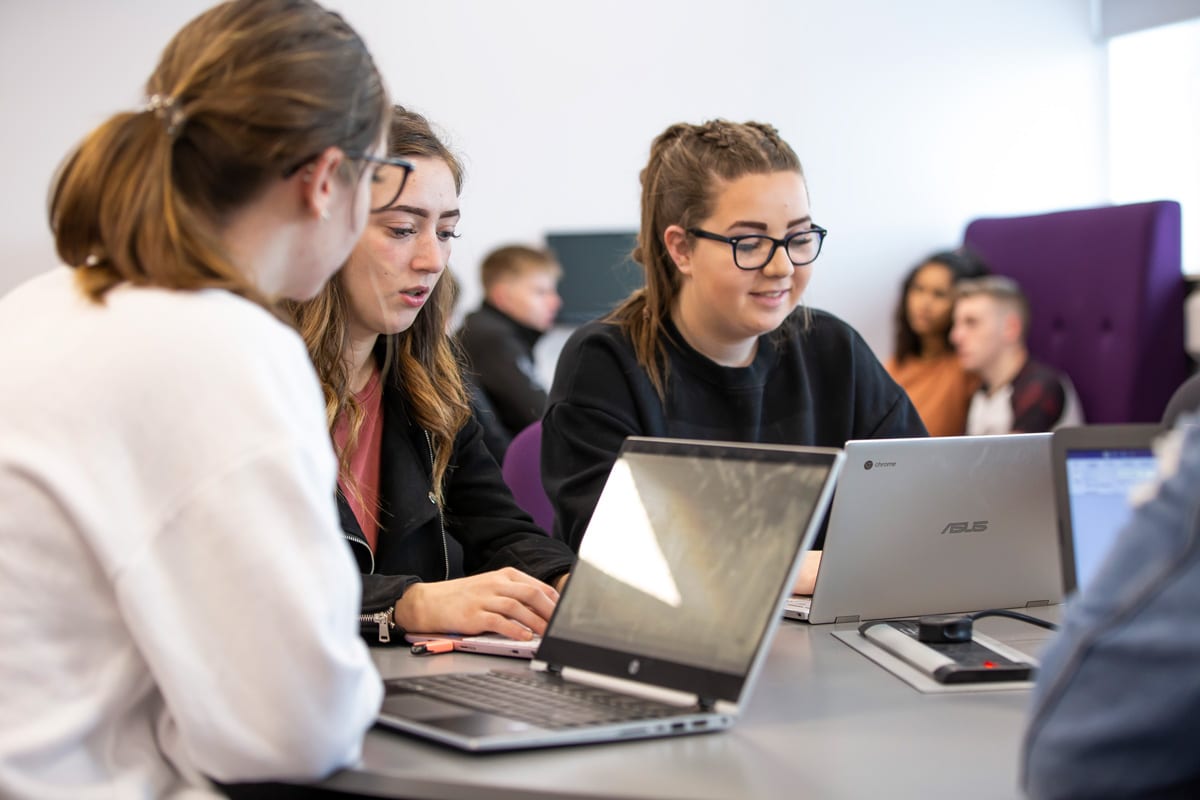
824, 722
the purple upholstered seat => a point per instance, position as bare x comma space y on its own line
522, 470
1106, 294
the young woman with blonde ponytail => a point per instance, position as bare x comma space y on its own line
716, 345
440, 543
176, 599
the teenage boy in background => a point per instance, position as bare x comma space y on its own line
520, 303
1116, 708
1018, 395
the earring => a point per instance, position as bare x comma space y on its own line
324, 215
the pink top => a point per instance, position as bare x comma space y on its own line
364, 458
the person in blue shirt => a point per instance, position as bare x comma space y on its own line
1117, 702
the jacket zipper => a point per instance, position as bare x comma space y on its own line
363, 542
384, 619
441, 516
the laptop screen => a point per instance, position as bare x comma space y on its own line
687, 553
1099, 483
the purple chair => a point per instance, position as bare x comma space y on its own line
1106, 293
522, 470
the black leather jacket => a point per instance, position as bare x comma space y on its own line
480, 528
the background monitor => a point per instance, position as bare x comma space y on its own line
598, 272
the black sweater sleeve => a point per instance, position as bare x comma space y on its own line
816, 384
379, 592
592, 409
882, 409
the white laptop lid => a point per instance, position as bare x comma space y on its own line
940, 525
686, 563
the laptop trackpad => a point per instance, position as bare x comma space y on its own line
448, 715
414, 706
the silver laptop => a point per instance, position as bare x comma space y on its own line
1096, 468
936, 526
669, 612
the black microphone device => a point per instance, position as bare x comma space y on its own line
946, 661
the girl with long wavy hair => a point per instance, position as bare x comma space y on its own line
924, 361
440, 543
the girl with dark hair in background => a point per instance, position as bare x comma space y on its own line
440, 543
716, 346
175, 597
925, 363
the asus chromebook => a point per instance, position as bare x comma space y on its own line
669, 612
1096, 467
938, 525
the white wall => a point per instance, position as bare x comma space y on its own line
1154, 86
911, 118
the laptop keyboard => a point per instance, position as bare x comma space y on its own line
534, 699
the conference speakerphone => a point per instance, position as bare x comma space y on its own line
968, 661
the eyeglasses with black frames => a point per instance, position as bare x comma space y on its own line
383, 172
755, 250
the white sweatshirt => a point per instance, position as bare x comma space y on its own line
176, 599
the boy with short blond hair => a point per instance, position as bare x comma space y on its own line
1019, 394
520, 303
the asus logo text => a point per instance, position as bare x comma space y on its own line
979, 526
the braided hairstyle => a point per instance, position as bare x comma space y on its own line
688, 166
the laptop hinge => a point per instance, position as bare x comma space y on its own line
554, 669
847, 618
647, 691
707, 703
1036, 603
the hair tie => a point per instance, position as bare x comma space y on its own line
167, 109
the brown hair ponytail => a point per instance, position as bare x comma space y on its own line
243, 92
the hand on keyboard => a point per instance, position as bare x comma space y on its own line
505, 601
